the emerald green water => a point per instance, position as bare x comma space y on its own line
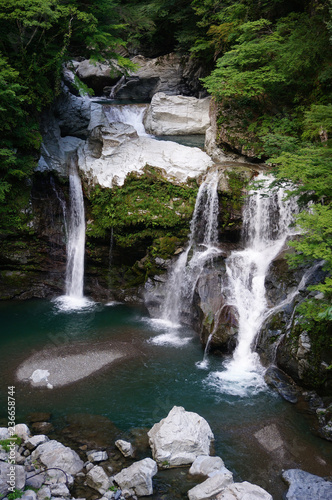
140, 390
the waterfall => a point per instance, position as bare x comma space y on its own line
266, 227
201, 247
74, 298
132, 114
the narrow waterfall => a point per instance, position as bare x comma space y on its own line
266, 226
74, 299
132, 114
201, 247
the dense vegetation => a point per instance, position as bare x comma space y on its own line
270, 61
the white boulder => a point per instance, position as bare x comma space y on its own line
138, 477
211, 486
97, 456
176, 163
204, 465
125, 447
97, 479
244, 491
22, 431
35, 441
10, 478
180, 437
177, 115
55, 454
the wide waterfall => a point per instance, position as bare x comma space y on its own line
267, 219
132, 114
201, 248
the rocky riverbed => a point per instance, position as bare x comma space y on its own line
181, 442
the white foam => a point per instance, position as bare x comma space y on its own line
169, 339
40, 376
66, 303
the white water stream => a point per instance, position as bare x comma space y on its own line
267, 218
131, 114
74, 299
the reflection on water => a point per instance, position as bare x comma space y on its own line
260, 429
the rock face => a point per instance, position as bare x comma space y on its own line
305, 486
177, 115
98, 480
138, 477
179, 438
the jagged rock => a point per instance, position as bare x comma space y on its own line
125, 447
97, 456
10, 480
211, 486
204, 465
244, 491
138, 477
180, 437
55, 454
177, 115
277, 379
35, 441
97, 479
305, 486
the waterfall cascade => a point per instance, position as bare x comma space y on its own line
75, 245
132, 114
266, 226
201, 248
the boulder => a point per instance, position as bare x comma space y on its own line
138, 477
22, 431
19, 477
277, 379
211, 486
177, 115
244, 491
176, 163
4, 433
60, 490
97, 479
29, 495
180, 438
204, 465
35, 441
43, 493
305, 486
55, 454
97, 75
125, 447
96, 456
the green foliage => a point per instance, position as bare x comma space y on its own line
145, 208
6, 443
15, 494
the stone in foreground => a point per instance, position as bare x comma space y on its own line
204, 465
125, 447
305, 486
244, 491
97, 479
55, 454
211, 486
138, 477
179, 438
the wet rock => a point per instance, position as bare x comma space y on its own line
244, 491
180, 437
55, 454
138, 477
97, 456
177, 115
324, 416
277, 379
204, 465
211, 486
125, 447
97, 479
305, 486
42, 427
38, 417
